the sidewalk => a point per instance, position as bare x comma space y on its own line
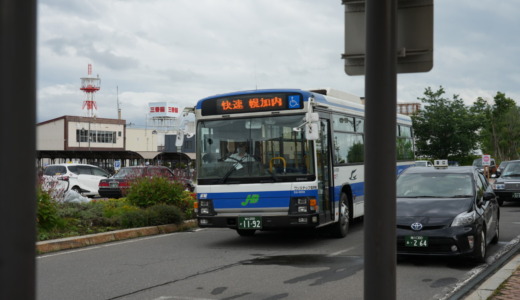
503, 285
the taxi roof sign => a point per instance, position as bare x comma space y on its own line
440, 163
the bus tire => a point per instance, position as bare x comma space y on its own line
246, 232
340, 229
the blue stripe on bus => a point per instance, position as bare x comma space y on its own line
263, 199
256, 199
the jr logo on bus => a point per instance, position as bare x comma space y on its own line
251, 199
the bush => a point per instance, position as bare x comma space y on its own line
150, 202
134, 218
146, 192
162, 214
47, 211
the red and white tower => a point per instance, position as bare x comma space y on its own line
90, 85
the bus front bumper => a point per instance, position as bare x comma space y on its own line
268, 222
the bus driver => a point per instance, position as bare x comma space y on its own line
241, 155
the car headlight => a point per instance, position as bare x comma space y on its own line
463, 219
499, 186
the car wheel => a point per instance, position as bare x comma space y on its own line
340, 229
246, 232
497, 233
480, 247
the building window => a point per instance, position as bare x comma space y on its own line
95, 136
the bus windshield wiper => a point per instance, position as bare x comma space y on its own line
235, 166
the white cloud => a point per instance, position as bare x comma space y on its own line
185, 50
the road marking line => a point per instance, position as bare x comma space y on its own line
340, 252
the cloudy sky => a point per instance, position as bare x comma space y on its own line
183, 50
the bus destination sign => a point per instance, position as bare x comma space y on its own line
251, 103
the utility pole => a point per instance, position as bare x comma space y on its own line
17, 161
380, 150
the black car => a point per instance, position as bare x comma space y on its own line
502, 166
446, 211
507, 186
115, 186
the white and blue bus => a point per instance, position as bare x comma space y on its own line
284, 158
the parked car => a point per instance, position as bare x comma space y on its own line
507, 186
501, 167
446, 211
477, 163
115, 186
423, 163
81, 178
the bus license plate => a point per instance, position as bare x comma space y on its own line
249, 222
416, 241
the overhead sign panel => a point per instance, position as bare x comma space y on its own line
414, 36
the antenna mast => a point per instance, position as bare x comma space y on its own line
90, 85
118, 104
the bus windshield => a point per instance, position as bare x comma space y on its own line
253, 150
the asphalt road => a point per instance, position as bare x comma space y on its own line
218, 264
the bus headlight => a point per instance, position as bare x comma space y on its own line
205, 207
302, 201
303, 205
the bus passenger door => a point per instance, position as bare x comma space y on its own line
323, 158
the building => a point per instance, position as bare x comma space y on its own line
408, 108
71, 133
102, 141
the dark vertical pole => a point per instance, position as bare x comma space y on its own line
380, 152
17, 154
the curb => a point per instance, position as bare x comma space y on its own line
111, 236
489, 286
488, 279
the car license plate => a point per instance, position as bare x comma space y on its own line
416, 241
114, 184
516, 195
249, 222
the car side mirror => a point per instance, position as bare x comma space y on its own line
488, 196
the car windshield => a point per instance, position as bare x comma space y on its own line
477, 163
512, 170
434, 185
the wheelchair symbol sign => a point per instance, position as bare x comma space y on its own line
117, 164
294, 102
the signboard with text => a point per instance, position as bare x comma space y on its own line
486, 160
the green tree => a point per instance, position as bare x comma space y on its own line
444, 128
501, 127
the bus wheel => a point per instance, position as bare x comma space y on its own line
246, 232
340, 229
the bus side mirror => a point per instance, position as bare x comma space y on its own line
312, 131
190, 129
180, 139
312, 117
